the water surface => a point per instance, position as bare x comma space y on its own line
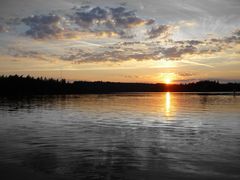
124, 136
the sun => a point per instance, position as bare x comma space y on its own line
167, 77
167, 81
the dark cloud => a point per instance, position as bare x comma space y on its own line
95, 20
177, 52
237, 33
190, 42
113, 55
43, 26
118, 20
235, 38
18, 52
159, 31
86, 17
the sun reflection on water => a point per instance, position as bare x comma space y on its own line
168, 104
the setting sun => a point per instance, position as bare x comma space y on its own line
167, 78
168, 81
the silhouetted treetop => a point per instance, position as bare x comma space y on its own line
20, 85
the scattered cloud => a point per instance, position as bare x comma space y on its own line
44, 26
3, 28
18, 52
87, 23
184, 23
177, 52
117, 20
96, 21
161, 31
185, 74
131, 76
3, 25
139, 51
235, 38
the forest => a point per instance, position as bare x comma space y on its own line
27, 85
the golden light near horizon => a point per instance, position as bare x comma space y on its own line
168, 81
167, 78
167, 104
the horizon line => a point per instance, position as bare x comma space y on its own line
129, 82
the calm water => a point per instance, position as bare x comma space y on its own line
124, 136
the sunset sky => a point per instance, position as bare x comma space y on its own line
128, 41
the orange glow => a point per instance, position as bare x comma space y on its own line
168, 77
168, 81
167, 104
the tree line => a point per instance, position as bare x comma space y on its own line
27, 85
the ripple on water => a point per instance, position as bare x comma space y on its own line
124, 136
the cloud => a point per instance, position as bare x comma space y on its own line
237, 33
161, 31
148, 50
190, 42
44, 26
111, 54
115, 54
118, 20
177, 52
18, 52
235, 38
137, 50
3, 28
88, 23
97, 21
184, 23
185, 74
131, 76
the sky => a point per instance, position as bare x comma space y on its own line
153, 41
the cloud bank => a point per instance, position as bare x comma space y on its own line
95, 20
44, 26
154, 50
133, 37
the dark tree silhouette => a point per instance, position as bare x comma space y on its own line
20, 85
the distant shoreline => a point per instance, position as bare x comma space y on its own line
27, 86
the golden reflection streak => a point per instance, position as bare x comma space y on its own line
167, 104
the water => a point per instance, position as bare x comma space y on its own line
124, 136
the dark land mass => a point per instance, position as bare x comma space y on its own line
19, 85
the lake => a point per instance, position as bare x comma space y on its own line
124, 136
